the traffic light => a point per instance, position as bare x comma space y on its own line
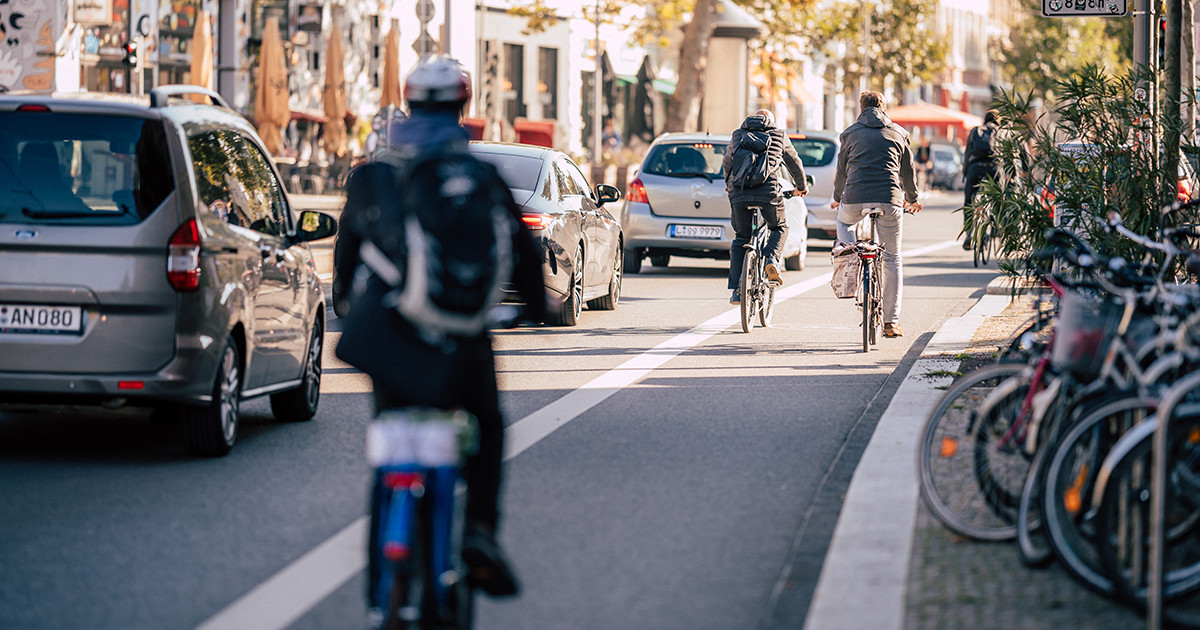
131, 54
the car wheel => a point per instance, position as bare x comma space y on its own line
339, 303
795, 262
568, 313
660, 260
212, 429
300, 404
632, 260
609, 302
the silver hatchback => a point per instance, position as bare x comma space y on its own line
151, 257
677, 205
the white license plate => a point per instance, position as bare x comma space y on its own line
697, 231
40, 318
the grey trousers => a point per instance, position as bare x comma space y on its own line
888, 228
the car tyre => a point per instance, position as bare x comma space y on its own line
632, 260
211, 430
609, 302
568, 313
339, 302
796, 261
300, 403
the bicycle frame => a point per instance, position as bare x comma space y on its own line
418, 456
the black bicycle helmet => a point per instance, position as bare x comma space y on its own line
437, 81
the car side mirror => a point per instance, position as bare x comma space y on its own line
808, 178
607, 194
314, 226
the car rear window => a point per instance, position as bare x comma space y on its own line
815, 151
81, 169
686, 158
518, 171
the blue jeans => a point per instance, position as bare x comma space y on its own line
888, 228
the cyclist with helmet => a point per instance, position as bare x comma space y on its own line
436, 91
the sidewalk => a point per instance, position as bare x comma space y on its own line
892, 566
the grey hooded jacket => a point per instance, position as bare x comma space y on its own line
780, 152
875, 163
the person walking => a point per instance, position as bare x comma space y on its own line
980, 164
875, 170
758, 134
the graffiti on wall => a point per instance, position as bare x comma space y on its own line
27, 44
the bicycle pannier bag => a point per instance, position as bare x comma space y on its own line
846, 264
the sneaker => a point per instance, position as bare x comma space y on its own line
487, 568
892, 329
736, 298
773, 277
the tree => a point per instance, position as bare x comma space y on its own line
1039, 51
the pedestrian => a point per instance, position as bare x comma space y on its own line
923, 157
875, 170
980, 164
760, 131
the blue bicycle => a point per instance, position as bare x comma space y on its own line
417, 518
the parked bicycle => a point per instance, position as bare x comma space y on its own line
756, 291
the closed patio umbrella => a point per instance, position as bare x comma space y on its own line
334, 97
202, 55
271, 102
390, 94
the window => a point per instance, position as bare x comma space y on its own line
81, 168
548, 82
814, 151
690, 158
580, 182
514, 82
235, 182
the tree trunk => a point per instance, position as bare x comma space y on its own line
683, 113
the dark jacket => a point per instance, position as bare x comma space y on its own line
875, 163
780, 152
977, 148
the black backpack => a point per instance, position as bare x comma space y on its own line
445, 245
750, 166
979, 148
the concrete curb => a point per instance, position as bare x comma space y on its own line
865, 574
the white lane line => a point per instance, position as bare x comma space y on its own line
286, 596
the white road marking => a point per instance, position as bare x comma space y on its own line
286, 596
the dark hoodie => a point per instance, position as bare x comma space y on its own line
780, 152
875, 163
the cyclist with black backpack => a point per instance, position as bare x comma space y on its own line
430, 233
751, 165
979, 165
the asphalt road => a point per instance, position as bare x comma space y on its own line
665, 471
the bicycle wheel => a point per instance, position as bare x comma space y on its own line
766, 306
1034, 549
1122, 521
1071, 475
747, 289
405, 579
876, 299
867, 305
950, 486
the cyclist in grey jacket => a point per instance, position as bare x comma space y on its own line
760, 127
875, 169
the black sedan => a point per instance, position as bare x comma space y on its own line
581, 240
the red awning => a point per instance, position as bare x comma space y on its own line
929, 114
312, 116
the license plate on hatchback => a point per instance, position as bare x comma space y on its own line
713, 232
40, 319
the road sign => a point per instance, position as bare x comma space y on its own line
424, 44
1079, 8
425, 11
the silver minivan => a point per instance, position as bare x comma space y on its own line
150, 257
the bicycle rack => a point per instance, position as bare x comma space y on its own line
1158, 500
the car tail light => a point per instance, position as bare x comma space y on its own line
636, 192
183, 257
536, 221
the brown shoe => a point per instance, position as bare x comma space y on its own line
892, 329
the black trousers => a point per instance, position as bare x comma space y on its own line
742, 218
479, 395
976, 172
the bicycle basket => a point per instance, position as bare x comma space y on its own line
1084, 330
846, 264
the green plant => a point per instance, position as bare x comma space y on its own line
1093, 152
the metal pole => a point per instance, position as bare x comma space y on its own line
597, 95
446, 28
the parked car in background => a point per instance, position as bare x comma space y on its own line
152, 258
947, 169
818, 151
677, 205
581, 240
